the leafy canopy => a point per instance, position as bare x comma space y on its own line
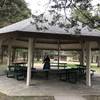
12, 11
70, 13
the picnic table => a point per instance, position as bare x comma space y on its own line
69, 74
61, 65
36, 71
19, 63
74, 74
17, 70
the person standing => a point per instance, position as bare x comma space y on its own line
46, 62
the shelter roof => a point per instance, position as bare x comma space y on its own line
27, 26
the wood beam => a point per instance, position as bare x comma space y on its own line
82, 54
33, 53
30, 53
98, 55
58, 52
88, 64
9, 54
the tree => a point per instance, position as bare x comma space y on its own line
87, 16
12, 11
80, 11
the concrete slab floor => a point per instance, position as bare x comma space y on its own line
41, 87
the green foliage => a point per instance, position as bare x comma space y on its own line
87, 15
76, 14
40, 19
12, 11
82, 11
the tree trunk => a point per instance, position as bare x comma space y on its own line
98, 61
13, 54
1, 54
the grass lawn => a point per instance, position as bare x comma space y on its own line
97, 69
93, 67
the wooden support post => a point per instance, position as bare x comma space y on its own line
58, 53
88, 64
1, 54
1, 49
13, 54
82, 54
33, 54
30, 46
9, 54
98, 65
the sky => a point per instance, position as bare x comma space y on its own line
37, 6
40, 6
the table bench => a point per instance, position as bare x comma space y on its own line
18, 72
61, 65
